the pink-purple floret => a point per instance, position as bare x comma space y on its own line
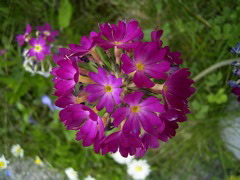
47, 32
141, 119
39, 48
21, 38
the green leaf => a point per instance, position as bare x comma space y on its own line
64, 13
103, 56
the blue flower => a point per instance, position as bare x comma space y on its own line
236, 49
47, 101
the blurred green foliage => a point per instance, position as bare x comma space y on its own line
203, 31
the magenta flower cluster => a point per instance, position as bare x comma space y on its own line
39, 46
119, 93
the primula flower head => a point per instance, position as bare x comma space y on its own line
36, 49
123, 99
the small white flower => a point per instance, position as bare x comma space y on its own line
71, 174
138, 169
3, 162
17, 151
121, 160
38, 161
33, 66
89, 178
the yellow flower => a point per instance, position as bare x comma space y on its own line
3, 162
38, 161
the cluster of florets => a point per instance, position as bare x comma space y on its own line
236, 84
119, 93
236, 71
37, 46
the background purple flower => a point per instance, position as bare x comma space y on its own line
47, 32
21, 38
39, 49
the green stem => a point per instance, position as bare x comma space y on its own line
213, 68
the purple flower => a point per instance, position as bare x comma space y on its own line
138, 87
147, 62
156, 35
47, 33
236, 91
177, 89
39, 49
120, 36
107, 90
173, 57
66, 76
149, 141
87, 44
92, 132
47, 101
169, 130
86, 121
139, 113
73, 116
2, 52
64, 54
236, 49
66, 99
119, 141
21, 38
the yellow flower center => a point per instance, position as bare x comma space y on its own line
38, 161
139, 66
135, 109
108, 88
2, 164
38, 48
138, 168
164, 88
19, 150
117, 42
47, 33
